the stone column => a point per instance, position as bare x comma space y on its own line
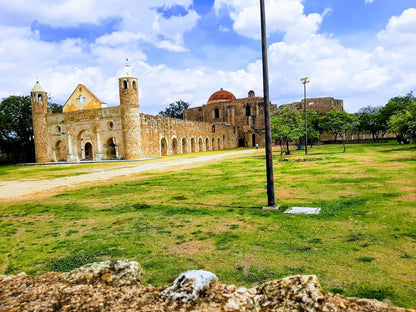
99, 154
69, 156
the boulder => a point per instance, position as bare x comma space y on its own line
189, 286
300, 293
112, 272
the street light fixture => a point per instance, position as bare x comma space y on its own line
304, 82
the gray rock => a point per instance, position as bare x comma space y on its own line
113, 272
189, 286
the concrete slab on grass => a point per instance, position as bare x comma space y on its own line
303, 210
271, 208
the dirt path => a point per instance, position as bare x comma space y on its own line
27, 189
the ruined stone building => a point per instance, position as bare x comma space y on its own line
320, 105
88, 130
245, 114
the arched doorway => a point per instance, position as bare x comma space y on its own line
219, 143
164, 147
60, 151
253, 139
213, 144
207, 144
184, 146
224, 142
88, 151
111, 148
200, 145
175, 146
192, 145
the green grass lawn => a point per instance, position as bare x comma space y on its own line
363, 243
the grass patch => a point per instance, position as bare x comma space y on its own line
210, 218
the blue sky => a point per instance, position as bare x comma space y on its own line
361, 51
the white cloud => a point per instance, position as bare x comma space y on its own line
400, 29
359, 76
369, 1
148, 26
284, 16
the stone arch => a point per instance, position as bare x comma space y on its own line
85, 136
184, 146
193, 145
219, 144
60, 151
213, 147
174, 146
253, 139
200, 145
207, 144
111, 148
163, 147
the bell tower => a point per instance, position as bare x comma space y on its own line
129, 110
39, 101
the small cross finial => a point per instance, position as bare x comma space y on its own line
127, 61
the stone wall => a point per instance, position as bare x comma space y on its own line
321, 105
69, 135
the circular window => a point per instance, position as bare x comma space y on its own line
110, 125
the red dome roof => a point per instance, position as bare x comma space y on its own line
221, 96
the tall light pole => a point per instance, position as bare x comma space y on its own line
305, 81
268, 136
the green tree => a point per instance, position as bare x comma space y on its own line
313, 127
403, 123
287, 125
16, 129
338, 123
55, 108
369, 121
394, 106
175, 110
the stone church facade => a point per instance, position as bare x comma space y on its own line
88, 130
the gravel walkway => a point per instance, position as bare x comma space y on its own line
26, 189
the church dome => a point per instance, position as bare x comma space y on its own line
221, 96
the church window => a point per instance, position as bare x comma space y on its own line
81, 100
110, 125
134, 85
248, 110
217, 113
213, 129
125, 84
39, 97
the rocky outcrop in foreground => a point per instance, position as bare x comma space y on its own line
115, 286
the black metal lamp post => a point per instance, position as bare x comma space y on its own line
269, 156
305, 81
